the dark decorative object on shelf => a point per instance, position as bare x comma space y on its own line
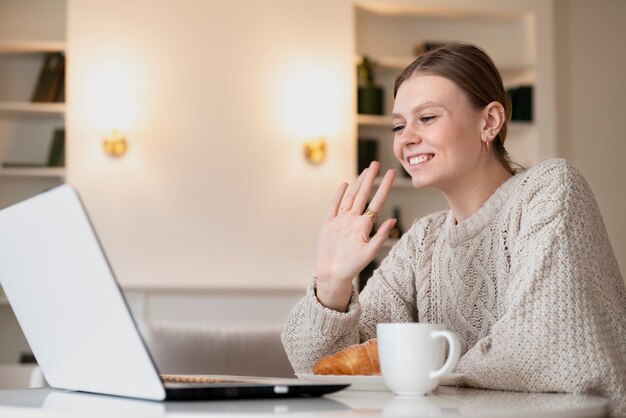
60, 93
397, 230
426, 46
366, 273
369, 95
56, 155
522, 103
27, 357
51, 81
367, 151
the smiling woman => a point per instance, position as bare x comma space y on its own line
438, 133
520, 267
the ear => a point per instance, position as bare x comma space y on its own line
493, 119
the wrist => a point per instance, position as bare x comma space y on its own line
333, 294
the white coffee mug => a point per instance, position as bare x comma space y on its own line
412, 356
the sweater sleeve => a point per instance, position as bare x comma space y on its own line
313, 331
563, 326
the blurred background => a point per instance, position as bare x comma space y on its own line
184, 124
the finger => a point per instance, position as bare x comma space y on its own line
336, 201
366, 188
380, 197
352, 192
382, 234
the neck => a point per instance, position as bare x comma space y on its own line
466, 197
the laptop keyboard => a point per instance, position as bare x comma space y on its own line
181, 378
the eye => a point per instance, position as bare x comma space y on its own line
426, 119
397, 128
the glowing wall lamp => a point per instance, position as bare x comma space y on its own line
115, 144
113, 102
310, 106
315, 150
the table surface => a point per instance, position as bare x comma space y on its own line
446, 401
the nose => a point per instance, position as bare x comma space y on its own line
409, 136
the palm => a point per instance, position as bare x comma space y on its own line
345, 246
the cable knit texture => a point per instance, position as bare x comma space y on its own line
529, 282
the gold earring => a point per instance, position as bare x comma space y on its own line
487, 142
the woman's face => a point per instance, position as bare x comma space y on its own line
437, 133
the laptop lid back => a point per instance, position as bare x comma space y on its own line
65, 297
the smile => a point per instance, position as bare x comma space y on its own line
418, 159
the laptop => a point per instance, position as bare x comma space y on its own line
73, 313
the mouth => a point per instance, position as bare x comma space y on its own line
419, 159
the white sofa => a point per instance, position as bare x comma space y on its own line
217, 349
191, 349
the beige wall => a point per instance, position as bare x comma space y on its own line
213, 191
217, 98
591, 76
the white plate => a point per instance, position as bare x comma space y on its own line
358, 382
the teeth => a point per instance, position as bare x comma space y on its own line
420, 158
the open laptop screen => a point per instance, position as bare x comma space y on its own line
65, 297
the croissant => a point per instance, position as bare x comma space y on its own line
358, 359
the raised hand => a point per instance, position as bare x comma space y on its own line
345, 247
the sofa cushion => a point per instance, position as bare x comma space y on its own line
217, 349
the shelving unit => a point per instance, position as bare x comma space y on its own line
27, 109
374, 120
29, 29
387, 35
35, 28
54, 172
29, 46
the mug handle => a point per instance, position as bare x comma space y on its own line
453, 355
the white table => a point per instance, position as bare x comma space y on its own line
445, 402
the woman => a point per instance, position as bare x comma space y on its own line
520, 266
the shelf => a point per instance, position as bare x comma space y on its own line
513, 70
30, 47
374, 120
55, 172
31, 109
390, 63
400, 63
403, 9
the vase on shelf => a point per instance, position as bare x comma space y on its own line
367, 151
369, 94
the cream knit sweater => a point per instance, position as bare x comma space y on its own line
529, 282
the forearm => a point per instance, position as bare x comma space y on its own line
313, 331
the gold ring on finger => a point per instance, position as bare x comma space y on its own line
372, 215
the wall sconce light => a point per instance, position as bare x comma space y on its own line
315, 150
115, 144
